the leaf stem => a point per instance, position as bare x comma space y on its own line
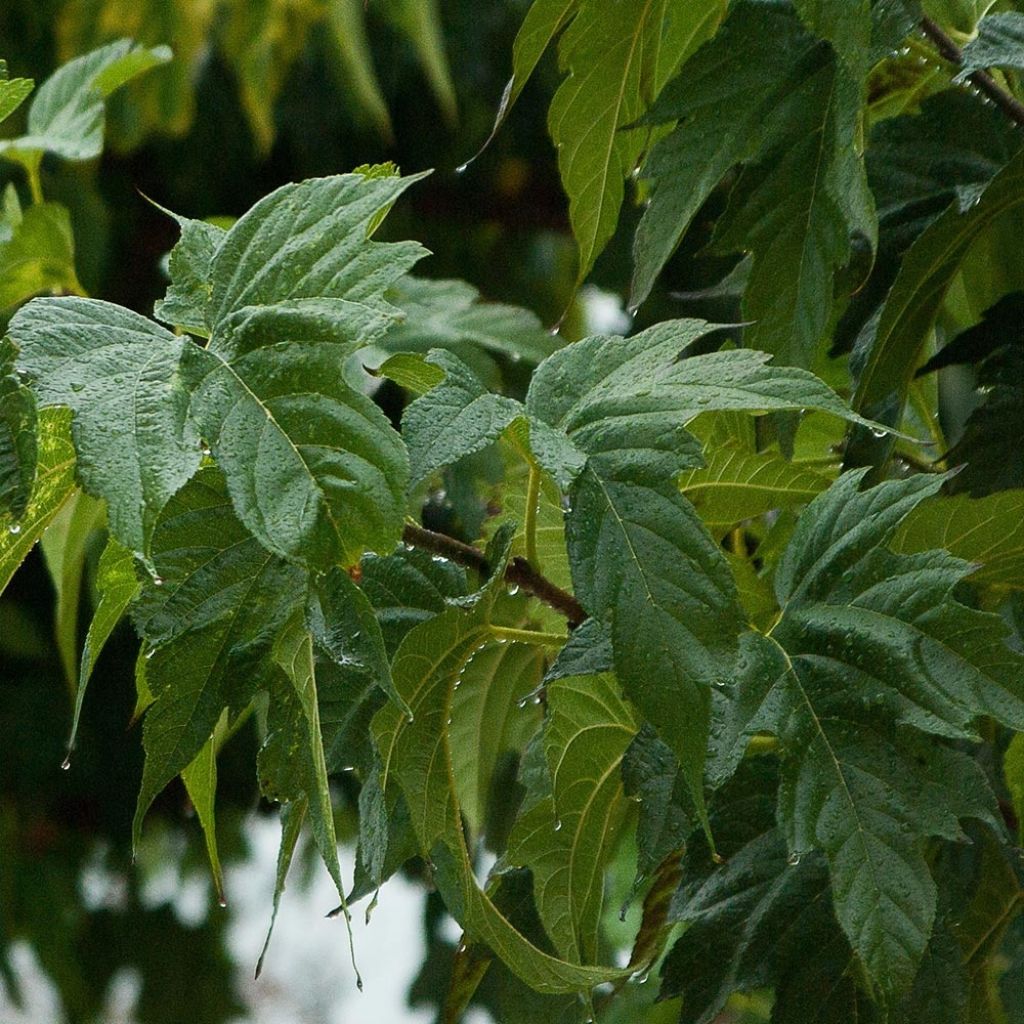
519, 572
35, 183
530, 519
528, 636
982, 80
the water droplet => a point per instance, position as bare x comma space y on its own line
222, 902
558, 825
359, 984
877, 432
522, 702
150, 653
793, 859
207, 452
77, 388
14, 529
410, 717
462, 168
65, 765
158, 581
514, 589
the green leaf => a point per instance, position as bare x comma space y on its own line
927, 272
868, 644
734, 101
120, 375
642, 561
18, 444
300, 266
344, 624
66, 115
490, 719
37, 251
54, 482
292, 764
736, 484
117, 586
998, 44
425, 669
1013, 771
200, 779
190, 268
568, 830
65, 546
209, 621
845, 24
13, 92
316, 473
292, 817
618, 56
543, 22
450, 314
454, 419
987, 531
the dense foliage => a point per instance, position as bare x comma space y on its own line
730, 604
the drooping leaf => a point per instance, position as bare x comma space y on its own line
66, 115
117, 586
18, 444
921, 286
120, 375
54, 483
200, 779
65, 546
344, 624
568, 830
868, 644
762, 87
425, 669
348, 32
209, 626
618, 57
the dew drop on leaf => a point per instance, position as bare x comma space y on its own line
14, 529
793, 859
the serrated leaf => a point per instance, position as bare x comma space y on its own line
455, 419
733, 101
18, 444
117, 586
999, 43
987, 531
66, 115
300, 265
38, 254
568, 831
208, 627
616, 65
928, 270
120, 375
869, 642
190, 268
451, 314
425, 669
54, 483
316, 473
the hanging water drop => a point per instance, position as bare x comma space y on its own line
14, 529
150, 653
462, 168
65, 765
158, 581
793, 859
878, 432
558, 824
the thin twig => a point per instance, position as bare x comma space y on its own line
519, 572
982, 80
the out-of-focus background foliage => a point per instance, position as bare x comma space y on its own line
259, 92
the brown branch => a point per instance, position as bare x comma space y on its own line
982, 80
519, 572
